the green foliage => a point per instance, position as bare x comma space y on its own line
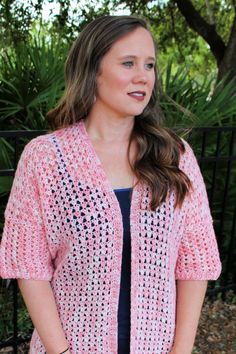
220, 14
176, 40
6, 309
194, 57
187, 102
220, 178
31, 82
6, 162
16, 18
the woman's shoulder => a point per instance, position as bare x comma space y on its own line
38, 152
190, 166
188, 160
44, 146
38, 147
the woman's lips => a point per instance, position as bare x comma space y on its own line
137, 95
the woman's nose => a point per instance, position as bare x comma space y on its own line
140, 76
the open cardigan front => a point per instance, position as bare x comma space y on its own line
63, 224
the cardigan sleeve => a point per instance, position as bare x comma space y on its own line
198, 255
24, 250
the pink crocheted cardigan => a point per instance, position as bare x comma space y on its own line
63, 224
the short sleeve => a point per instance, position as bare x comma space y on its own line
24, 250
198, 255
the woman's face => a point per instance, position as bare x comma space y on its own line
126, 77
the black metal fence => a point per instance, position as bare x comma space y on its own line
215, 149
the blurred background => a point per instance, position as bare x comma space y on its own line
197, 72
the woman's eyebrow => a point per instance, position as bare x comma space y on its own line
134, 56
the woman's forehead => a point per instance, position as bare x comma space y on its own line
133, 44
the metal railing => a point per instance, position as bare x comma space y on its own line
216, 152
215, 149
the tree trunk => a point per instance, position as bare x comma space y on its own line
225, 54
227, 66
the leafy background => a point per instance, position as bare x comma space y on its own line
33, 49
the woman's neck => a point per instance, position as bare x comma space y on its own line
109, 129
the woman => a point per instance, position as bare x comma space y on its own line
108, 215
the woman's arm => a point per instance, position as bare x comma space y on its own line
190, 296
40, 302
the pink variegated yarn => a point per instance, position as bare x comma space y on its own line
63, 224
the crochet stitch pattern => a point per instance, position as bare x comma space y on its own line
63, 224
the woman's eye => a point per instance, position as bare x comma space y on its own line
149, 66
128, 64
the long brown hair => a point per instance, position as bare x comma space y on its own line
159, 148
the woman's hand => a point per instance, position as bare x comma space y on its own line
40, 301
190, 296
